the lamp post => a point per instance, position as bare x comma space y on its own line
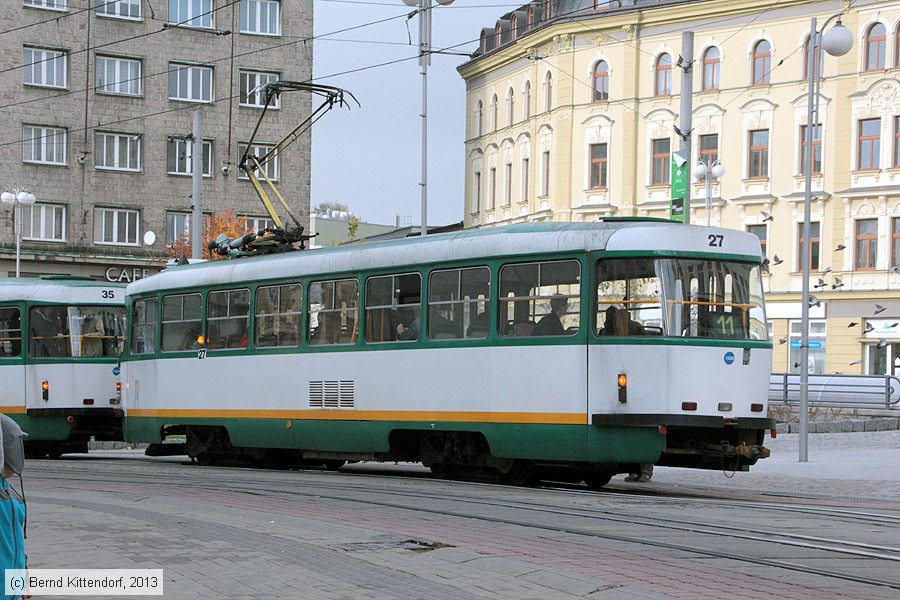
18, 198
710, 171
424, 11
837, 42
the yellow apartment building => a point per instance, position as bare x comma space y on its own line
572, 107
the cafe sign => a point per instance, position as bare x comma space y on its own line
127, 274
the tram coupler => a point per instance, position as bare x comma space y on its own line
728, 450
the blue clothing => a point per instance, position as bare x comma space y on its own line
12, 533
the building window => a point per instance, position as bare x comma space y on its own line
253, 89
270, 166
44, 145
711, 62
709, 150
661, 157
897, 47
548, 91
191, 13
895, 242
178, 227
476, 200
479, 113
118, 76
818, 63
121, 9
601, 82
510, 107
663, 86
179, 153
492, 188
524, 195
816, 346
866, 244
44, 222
494, 110
762, 232
190, 83
813, 247
527, 100
507, 185
261, 17
116, 226
545, 168
45, 68
762, 62
817, 149
117, 151
48, 4
869, 145
896, 142
598, 167
876, 39
759, 154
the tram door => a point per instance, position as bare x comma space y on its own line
12, 371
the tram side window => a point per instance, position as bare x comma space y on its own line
143, 326
459, 303
333, 308
96, 331
278, 311
540, 299
228, 319
10, 332
48, 332
393, 303
628, 298
181, 322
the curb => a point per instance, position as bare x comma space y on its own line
845, 426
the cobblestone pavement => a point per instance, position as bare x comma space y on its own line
264, 541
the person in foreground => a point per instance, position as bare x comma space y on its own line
12, 503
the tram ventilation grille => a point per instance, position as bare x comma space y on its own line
331, 394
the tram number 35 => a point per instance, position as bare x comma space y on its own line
715, 241
108, 294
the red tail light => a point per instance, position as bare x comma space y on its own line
688, 406
756, 407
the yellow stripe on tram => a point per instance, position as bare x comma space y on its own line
12, 410
533, 418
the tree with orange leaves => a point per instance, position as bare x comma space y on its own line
223, 222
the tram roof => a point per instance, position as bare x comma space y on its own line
637, 236
58, 289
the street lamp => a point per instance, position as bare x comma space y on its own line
424, 11
836, 42
715, 170
18, 198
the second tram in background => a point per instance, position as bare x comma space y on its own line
538, 350
60, 341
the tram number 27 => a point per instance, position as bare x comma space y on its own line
715, 241
201, 353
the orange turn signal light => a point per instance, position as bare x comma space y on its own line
201, 340
45, 390
622, 380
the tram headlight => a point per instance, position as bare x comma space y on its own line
622, 381
45, 390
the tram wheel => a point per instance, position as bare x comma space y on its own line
595, 480
521, 473
204, 459
440, 470
334, 465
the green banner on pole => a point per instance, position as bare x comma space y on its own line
678, 187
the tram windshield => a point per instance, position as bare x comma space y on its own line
678, 297
75, 331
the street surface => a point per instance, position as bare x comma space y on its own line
829, 528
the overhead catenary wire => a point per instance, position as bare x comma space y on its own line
59, 16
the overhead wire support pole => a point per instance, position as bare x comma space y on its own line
687, 106
197, 186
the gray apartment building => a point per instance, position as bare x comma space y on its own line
96, 107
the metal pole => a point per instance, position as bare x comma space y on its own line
708, 190
17, 215
812, 101
685, 118
197, 188
424, 60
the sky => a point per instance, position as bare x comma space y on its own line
369, 157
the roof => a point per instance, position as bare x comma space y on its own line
61, 290
520, 239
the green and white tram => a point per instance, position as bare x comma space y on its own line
580, 349
60, 340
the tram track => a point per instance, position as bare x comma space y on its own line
375, 496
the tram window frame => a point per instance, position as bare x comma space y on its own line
139, 340
55, 341
188, 336
513, 322
342, 317
10, 346
287, 323
462, 319
632, 272
216, 338
403, 316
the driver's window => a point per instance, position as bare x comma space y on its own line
628, 298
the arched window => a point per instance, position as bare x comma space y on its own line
876, 39
546, 9
530, 16
494, 110
479, 113
819, 62
601, 82
510, 107
663, 75
548, 91
513, 25
711, 60
897, 47
762, 62
527, 100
